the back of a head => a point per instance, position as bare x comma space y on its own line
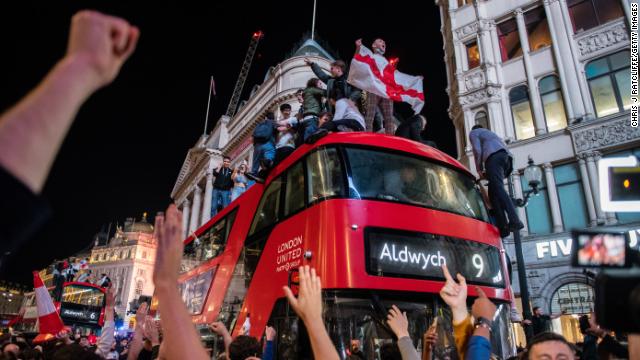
549, 339
390, 351
477, 126
74, 352
243, 347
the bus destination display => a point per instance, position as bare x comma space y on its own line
395, 253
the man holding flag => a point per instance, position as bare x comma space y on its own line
373, 73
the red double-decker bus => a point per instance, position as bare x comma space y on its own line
82, 305
377, 216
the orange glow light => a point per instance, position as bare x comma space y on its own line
626, 183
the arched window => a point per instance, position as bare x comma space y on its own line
574, 298
481, 119
521, 112
610, 83
553, 103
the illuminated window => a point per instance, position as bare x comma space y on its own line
462, 3
573, 206
521, 111
553, 103
609, 82
587, 14
139, 287
537, 28
481, 119
509, 39
473, 55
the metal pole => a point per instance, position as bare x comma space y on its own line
522, 275
313, 21
206, 119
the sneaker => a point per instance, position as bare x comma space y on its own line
316, 136
515, 226
254, 177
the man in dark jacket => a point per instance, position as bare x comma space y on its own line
221, 195
337, 87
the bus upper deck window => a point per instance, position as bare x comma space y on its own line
325, 174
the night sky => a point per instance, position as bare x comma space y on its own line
125, 149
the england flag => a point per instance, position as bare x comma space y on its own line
375, 74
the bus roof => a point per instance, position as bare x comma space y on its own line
374, 140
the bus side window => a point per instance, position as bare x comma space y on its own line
294, 193
268, 211
209, 244
325, 174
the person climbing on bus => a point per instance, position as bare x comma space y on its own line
306, 122
494, 162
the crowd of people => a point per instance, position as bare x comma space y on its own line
98, 46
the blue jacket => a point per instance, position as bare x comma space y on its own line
484, 143
478, 348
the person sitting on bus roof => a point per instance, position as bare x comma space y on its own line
306, 121
240, 181
286, 142
494, 162
413, 126
263, 147
349, 119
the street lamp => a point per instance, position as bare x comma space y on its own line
533, 176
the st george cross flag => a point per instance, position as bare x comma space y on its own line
375, 74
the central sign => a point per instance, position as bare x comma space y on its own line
395, 253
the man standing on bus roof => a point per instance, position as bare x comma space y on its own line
494, 162
221, 196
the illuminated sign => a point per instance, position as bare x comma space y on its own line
562, 247
417, 255
79, 313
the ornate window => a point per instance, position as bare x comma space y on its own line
610, 83
587, 14
481, 119
473, 54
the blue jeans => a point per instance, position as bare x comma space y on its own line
219, 198
498, 167
265, 151
236, 192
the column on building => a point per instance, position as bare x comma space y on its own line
573, 68
560, 64
206, 203
554, 203
626, 6
195, 207
593, 179
586, 187
517, 193
536, 103
186, 209
510, 132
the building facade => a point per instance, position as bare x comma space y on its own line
552, 78
128, 259
232, 136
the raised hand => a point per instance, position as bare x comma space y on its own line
170, 247
454, 294
308, 304
101, 42
398, 322
482, 306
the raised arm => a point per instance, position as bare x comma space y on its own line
308, 306
398, 322
318, 71
358, 45
32, 131
219, 328
454, 294
103, 345
182, 340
